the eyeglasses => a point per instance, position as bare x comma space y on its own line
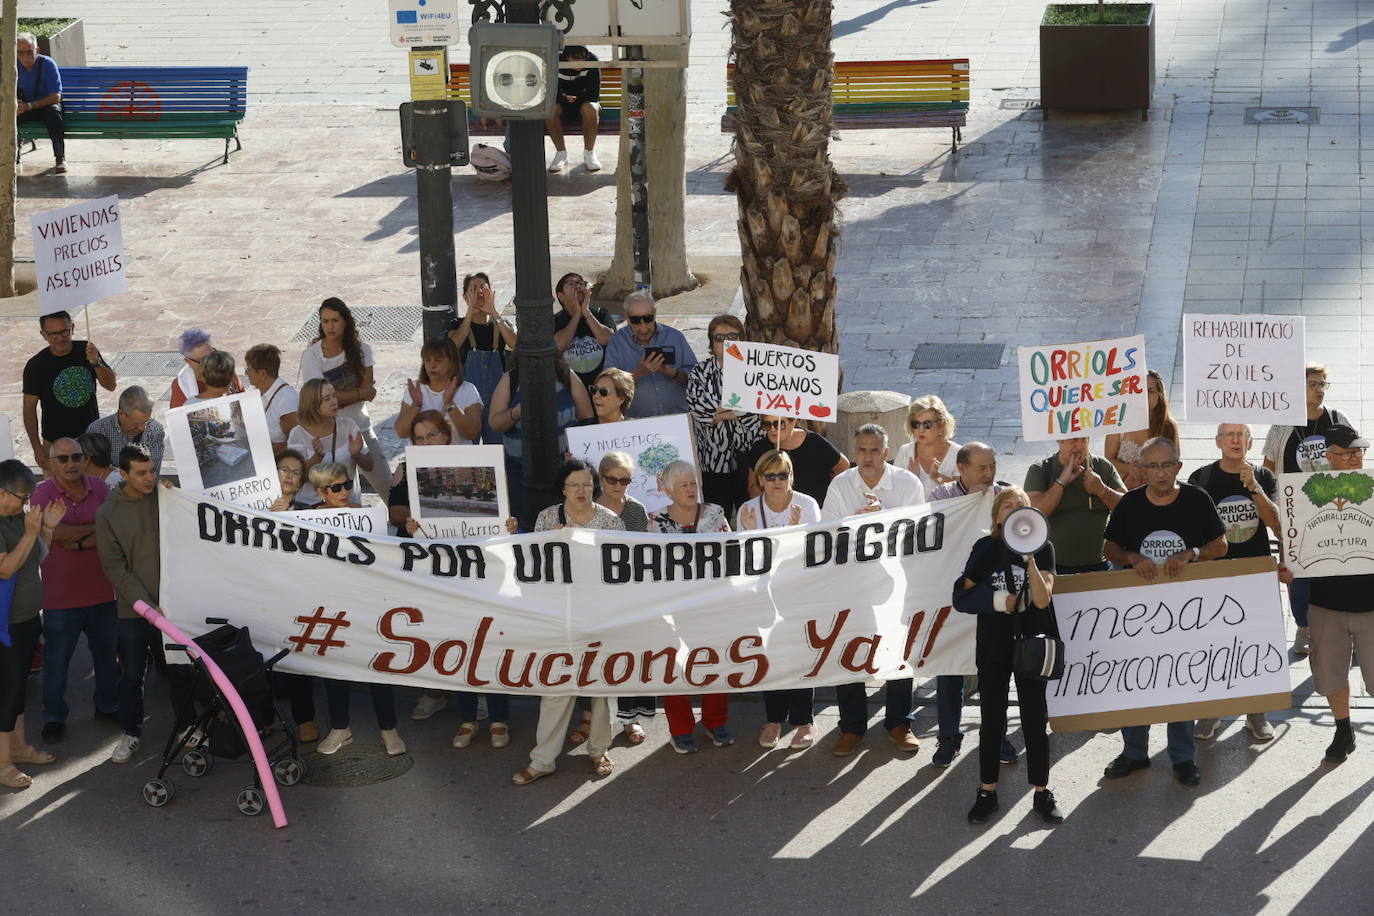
639, 319
22, 497
773, 424
772, 476
579, 486
286, 470
344, 487
1233, 435
1159, 466
65, 332
1318, 385
63, 459
616, 481
722, 337
1344, 453
604, 392
923, 424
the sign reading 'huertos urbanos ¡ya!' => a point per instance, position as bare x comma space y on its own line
1083, 389
784, 381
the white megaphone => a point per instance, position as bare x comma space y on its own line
1025, 531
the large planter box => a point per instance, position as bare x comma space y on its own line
67, 47
1098, 66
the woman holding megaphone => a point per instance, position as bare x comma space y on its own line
1009, 582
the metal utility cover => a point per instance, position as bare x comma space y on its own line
957, 356
148, 364
1283, 116
394, 323
354, 766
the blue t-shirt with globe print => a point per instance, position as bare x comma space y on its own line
65, 388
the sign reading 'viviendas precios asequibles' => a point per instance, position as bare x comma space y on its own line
78, 254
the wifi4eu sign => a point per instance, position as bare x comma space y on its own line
424, 23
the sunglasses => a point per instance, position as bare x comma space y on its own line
63, 459
616, 481
777, 475
639, 319
722, 337
922, 424
191, 359
773, 424
344, 487
604, 392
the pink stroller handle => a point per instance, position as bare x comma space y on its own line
226, 687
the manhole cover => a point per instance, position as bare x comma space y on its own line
1020, 104
1283, 116
957, 356
354, 766
147, 364
396, 323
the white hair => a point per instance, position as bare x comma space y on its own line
27, 36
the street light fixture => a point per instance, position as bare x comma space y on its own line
517, 66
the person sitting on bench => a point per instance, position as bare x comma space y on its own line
40, 94
579, 102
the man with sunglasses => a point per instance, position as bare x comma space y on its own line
77, 598
62, 379
40, 95
658, 356
872, 485
1161, 528
581, 331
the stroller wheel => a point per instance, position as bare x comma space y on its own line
158, 791
197, 763
289, 771
251, 801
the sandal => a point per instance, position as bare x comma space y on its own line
603, 765
527, 776
32, 755
583, 731
14, 778
634, 733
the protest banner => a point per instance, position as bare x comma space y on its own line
361, 519
223, 449
1209, 643
6, 438
1083, 389
595, 613
1244, 369
1328, 523
653, 443
457, 491
784, 381
78, 254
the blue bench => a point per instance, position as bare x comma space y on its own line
160, 103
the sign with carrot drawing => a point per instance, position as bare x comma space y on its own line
783, 381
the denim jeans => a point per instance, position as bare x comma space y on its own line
383, 703
134, 653
1299, 591
853, 702
498, 706
1137, 741
62, 629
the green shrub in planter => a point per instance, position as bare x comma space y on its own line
1097, 55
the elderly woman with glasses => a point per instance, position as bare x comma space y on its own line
931, 454
579, 509
814, 461
778, 506
291, 474
20, 552
322, 435
720, 434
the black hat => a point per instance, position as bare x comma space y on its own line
1343, 436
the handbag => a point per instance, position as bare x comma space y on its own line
1039, 655
6, 600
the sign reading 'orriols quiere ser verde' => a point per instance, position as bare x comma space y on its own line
78, 255
1328, 523
1083, 389
1244, 368
784, 381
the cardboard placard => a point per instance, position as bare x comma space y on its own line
1328, 523
78, 254
783, 381
1244, 368
222, 448
1083, 389
457, 491
1208, 643
653, 443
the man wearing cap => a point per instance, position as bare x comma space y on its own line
1341, 614
1161, 528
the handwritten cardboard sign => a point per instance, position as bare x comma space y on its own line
457, 491
1209, 643
1083, 389
78, 254
222, 448
1244, 368
1328, 523
652, 443
785, 381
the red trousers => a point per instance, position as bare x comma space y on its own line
714, 712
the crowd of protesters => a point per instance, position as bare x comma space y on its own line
87, 549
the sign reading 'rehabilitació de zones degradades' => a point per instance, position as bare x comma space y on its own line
1244, 368
1083, 389
78, 254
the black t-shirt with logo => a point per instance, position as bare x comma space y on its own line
1159, 532
585, 354
65, 388
1246, 535
1305, 448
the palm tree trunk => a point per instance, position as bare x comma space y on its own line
783, 178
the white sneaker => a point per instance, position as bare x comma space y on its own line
391, 740
427, 707
1205, 728
124, 749
1302, 642
1259, 727
592, 163
337, 739
560, 159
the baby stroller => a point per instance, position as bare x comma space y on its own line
215, 731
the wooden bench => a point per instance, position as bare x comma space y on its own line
157, 103
612, 88
889, 95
